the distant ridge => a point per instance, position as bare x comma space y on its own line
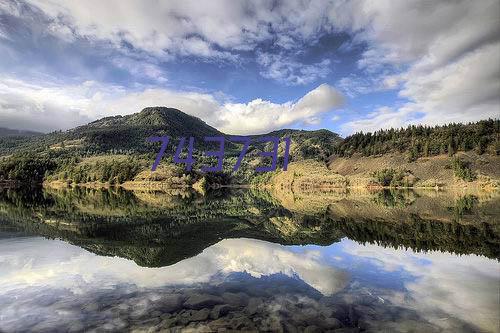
8, 132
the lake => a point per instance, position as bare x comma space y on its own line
344, 261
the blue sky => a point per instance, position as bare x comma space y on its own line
250, 67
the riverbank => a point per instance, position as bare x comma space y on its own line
357, 172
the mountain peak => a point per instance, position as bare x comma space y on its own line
161, 116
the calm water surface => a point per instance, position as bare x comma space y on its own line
109, 260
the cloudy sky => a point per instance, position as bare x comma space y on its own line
250, 66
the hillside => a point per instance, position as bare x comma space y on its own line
319, 144
454, 155
425, 141
128, 135
122, 143
10, 139
120, 134
427, 171
390, 170
114, 150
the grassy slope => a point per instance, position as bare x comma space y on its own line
428, 170
355, 171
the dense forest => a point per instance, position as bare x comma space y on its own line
27, 169
423, 141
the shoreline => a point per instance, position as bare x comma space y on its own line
131, 185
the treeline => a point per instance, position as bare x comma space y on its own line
34, 168
26, 169
422, 141
110, 171
422, 235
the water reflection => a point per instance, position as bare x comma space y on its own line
401, 261
157, 229
51, 285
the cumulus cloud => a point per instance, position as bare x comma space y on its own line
459, 91
383, 117
438, 56
445, 51
163, 26
45, 108
169, 29
138, 68
259, 116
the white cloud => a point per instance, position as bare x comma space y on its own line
354, 85
445, 52
462, 90
217, 30
165, 27
255, 117
45, 108
439, 55
259, 116
141, 68
291, 72
383, 117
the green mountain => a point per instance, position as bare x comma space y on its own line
68, 155
128, 135
317, 144
60, 153
121, 134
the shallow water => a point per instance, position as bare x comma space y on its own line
87, 260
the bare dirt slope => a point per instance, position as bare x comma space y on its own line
429, 170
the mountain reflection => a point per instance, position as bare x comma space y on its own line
157, 229
248, 260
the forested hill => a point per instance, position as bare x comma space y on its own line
11, 139
423, 141
317, 144
128, 135
116, 149
119, 134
